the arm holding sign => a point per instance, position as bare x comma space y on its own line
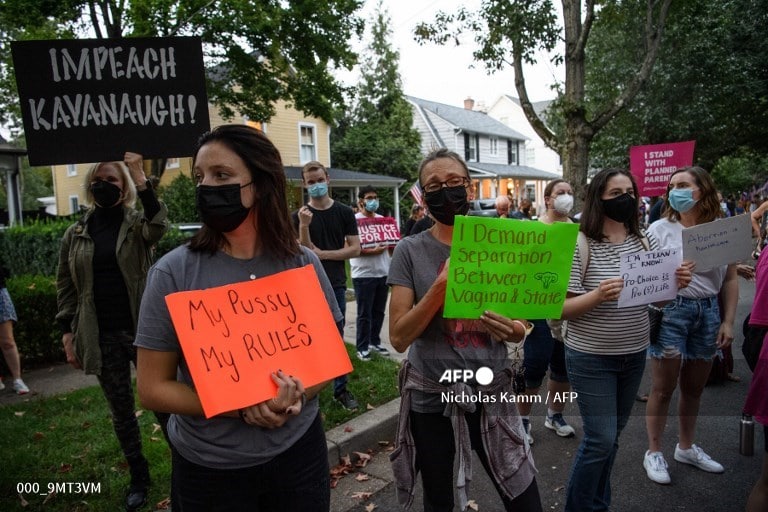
577, 304
730, 294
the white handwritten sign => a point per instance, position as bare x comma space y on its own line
649, 276
378, 231
719, 242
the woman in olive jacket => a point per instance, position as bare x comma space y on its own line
103, 264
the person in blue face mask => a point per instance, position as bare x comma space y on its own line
369, 277
692, 328
329, 228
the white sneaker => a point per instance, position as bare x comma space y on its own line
695, 456
378, 349
561, 427
656, 467
527, 428
364, 356
19, 387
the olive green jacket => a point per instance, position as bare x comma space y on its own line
74, 280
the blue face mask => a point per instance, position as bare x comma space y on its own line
681, 199
318, 190
372, 205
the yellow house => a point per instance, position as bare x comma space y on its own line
298, 137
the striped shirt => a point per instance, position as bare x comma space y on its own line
607, 329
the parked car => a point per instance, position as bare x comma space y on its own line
483, 208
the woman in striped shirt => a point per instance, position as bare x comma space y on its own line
605, 346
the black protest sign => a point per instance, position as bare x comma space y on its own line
91, 100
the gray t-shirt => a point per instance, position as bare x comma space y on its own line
447, 343
219, 442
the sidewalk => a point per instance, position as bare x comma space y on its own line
357, 435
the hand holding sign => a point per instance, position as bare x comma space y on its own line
274, 412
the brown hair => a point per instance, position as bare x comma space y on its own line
593, 215
262, 159
708, 205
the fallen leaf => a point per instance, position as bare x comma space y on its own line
62, 398
22, 501
369, 507
65, 468
346, 460
472, 505
363, 459
155, 438
49, 497
383, 443
50, 369
163, 505
19, 414
369, 407
361, 495
86, 424
560, 488
37, 436
348, 429
32, 286
362, 477
155, 428
139, 412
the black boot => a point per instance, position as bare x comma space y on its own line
138, 490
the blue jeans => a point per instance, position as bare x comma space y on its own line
340, 382
542, 351
606, 387
689, 329
297, 479
371, 297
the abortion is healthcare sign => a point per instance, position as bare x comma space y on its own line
91, 100
653, 165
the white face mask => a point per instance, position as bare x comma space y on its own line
563, 204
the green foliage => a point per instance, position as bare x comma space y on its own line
740, 172
34, 247
36, 333
172, 239
708, 83
378, 137
259, 52
179, 197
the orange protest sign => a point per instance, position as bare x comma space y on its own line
233, 337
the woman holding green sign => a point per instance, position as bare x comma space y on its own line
691, 327
605, 346
457, 372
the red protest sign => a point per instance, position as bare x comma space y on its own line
378, 231
653, 165
233, 337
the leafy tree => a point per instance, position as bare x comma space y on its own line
179, 197
377, 136
740, 172
263, 51
708, 83
509, 32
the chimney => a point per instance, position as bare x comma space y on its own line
469, 103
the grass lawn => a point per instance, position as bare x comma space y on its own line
67, 443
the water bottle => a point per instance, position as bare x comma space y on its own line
747, 435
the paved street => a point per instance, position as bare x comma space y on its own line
691, 489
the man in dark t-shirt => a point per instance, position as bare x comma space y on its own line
330, 230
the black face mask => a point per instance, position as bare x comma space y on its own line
446, 203
105, 194
220, 207
620, 208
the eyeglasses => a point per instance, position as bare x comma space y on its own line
453, 182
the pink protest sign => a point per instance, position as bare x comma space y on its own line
378, 231
653, 165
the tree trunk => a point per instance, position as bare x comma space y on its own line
576, 163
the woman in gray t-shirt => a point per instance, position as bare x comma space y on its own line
270, 455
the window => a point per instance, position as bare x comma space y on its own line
307, 146
71, 170
511, 152
470, 147
494, 146
172, 163
530, 156
74, 204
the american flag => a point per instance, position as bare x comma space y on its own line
415, 191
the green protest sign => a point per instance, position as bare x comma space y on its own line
515, 268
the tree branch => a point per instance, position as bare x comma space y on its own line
652, 41
537, 124
586, 27
94, 19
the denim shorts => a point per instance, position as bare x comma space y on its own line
542, 351
689, 329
